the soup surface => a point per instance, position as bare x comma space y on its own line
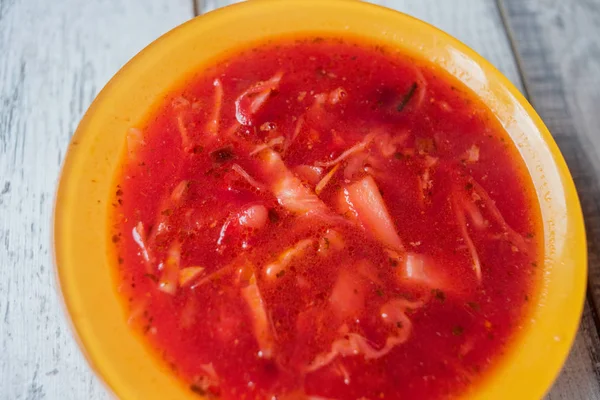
324, 218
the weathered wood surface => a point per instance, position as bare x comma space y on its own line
204, 6
55, 56
559, 55
558, 48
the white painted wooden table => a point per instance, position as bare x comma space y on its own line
56, 55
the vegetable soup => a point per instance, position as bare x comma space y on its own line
325, 218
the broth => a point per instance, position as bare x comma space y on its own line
325, 218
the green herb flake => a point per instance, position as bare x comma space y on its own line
273, 216
439, 294
152, 277
409, 94
469, 186
458, 330
379, 292
474, 305
393, 262
197, 149
222, 155
280, 273
425, 145
167, 212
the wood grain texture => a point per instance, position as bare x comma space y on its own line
204, 6
558, 47
477, 23
54, 57
559, 52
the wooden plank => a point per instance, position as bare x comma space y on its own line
560, 56
54, 57
204, 6
479, 24
579, 377
558, 51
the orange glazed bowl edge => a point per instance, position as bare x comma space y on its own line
81, 245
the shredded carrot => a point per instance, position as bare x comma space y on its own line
232, 129
188, 275
179, 191
360, 146
421, 88
169, 278
183, 132
213, 124
248, 103
139, 237
263, 332
326, 179
247, 177
213, 276
462, 224
295, 134
278, 267
515, 237
270, 144
356, 164
353, 344
308, 173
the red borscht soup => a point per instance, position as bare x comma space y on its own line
324, 218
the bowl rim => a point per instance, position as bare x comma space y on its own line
575, 213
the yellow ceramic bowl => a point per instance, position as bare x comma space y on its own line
81, 214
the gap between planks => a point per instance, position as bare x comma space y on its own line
510, 36
197, 6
